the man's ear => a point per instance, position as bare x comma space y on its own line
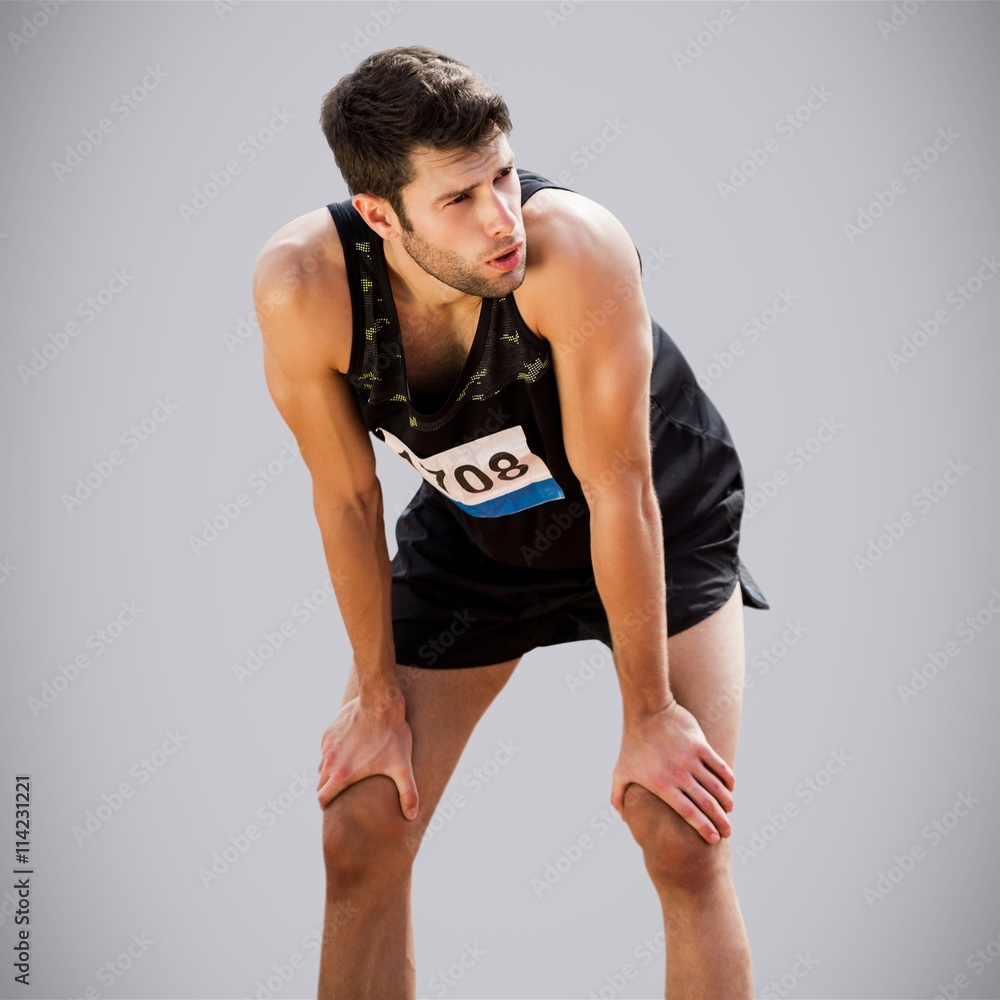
378, 213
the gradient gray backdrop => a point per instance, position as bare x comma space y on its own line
841, 637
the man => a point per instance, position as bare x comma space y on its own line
491, 329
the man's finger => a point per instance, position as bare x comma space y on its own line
618, 786
329, 790
720, 767
710, 819
709, 816
409, 798
322, 777
711, 783
333, 781
687, 808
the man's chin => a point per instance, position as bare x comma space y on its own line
511, 281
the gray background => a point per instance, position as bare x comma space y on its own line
835, 690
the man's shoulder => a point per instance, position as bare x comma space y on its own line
300, 274
573, 244
568, 226
309, 244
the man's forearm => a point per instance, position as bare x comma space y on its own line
627, 554
361, 573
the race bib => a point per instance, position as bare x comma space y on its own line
494, 475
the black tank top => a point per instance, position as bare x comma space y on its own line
492, 454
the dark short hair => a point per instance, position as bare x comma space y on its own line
401, 98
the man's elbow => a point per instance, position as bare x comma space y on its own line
625, 483
361, 495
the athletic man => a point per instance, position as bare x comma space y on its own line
490, 328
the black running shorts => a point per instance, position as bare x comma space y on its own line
453, 606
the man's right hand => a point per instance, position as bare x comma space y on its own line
369, 737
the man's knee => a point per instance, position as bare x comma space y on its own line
365, 835
675, 853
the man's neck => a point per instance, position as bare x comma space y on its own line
414, 288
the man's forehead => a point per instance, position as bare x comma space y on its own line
437, 171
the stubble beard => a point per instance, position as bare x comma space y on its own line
451, 268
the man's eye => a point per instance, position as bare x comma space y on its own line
503, 173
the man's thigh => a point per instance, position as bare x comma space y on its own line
442, 709
706, 665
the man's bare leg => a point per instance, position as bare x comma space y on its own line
708, 953
369, 846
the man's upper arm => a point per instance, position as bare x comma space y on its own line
599, 332
300, 325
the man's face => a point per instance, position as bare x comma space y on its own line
464, 209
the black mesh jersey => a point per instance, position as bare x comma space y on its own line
492, 454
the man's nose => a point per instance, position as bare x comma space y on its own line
502, 219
